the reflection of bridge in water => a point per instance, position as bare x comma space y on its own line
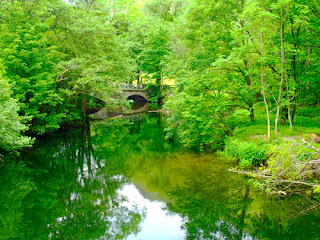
137, 109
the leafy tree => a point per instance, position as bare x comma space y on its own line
166, 10
12, 127
199, 119
278, 41
152, 36
154, 51
57, 55
31, 62
246, 51
202, 101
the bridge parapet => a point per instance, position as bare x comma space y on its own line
127, 86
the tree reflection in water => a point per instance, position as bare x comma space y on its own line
218, 204
72, 198
213, 202
72, 186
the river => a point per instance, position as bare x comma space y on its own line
120, 179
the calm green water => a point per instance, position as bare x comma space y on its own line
119, 179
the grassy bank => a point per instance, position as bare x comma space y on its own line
302, 125
287, 163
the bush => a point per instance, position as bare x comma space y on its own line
309, 112
198, 121
248, 153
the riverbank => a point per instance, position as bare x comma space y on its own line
285, 164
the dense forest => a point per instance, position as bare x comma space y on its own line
243, 69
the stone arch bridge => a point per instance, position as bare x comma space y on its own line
134, 92
137, 93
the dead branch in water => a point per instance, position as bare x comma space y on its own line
290, 165
255, 175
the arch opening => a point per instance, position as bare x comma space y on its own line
137, 98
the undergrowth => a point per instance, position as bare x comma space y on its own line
284, 161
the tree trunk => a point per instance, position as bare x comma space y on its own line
251, 114
284, 115
277, 119
265, 102
294, 110
84, 108
282, 74
263, 91
289, 109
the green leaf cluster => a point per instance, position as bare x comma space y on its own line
12, 125
199, 119
249, 154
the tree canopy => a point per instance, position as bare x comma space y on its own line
226, 58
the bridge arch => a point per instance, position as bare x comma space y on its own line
136, 95
137, 98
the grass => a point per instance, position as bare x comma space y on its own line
303, 126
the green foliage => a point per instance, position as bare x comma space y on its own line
248, 153
317, 190
12, 127
31, 63
198, 119
154, 92
56, 55
241, 44
165, 10
155, 49
287, 161
309, 112
245, 129
290, 168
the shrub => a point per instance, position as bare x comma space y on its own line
309, 112
248, 153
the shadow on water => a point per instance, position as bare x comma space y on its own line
119, 179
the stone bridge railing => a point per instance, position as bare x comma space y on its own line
125, 86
